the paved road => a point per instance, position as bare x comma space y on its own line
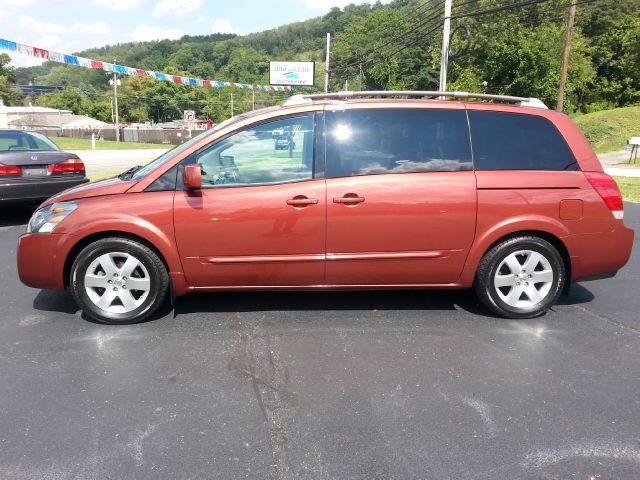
623, 172
614, 158
403, 385
108, 161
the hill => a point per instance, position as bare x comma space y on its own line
391, 46
609, 130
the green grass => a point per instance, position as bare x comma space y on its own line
80, 144
630, 188
94, 177
609, 130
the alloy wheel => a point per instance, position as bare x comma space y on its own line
523, 279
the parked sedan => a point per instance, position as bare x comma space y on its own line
33, 168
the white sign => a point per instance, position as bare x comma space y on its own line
634, 141
291, 73
189, 116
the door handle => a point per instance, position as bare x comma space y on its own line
349, 199
301, 201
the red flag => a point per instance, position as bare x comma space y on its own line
41, 53
96, 64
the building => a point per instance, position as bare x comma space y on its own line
43, 117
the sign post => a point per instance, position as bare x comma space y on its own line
635, 144
189, 116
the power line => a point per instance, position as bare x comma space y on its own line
553, 8
481, 12
462, 4
415, 34
500, 22
414, 42
502, 8
344, 64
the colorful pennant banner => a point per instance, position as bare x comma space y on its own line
136, 72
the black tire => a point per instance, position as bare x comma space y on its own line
150, 269
527, 304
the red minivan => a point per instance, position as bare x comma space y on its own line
371, 193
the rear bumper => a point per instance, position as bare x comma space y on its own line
598, 255
36, 189
41, 258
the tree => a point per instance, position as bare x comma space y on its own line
8, 93
99, 110
518, 51
66, 100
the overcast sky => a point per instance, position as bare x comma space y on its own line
69, 26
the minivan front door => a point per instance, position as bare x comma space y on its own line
259, 220
401, 196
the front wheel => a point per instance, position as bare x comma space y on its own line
118, 281
521, 277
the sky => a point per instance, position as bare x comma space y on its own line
67, 26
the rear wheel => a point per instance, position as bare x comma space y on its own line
521, 277
118, 281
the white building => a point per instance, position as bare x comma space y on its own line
43, 117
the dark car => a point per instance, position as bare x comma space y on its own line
33, 168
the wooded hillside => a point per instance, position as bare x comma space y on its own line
515, 51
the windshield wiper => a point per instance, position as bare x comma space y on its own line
127, 174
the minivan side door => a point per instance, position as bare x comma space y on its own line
401, 195
259, 219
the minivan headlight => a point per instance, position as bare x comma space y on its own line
47, 219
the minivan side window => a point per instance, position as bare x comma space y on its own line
273, 152
401, 140
514, 141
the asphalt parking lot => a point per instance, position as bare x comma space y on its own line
364, 385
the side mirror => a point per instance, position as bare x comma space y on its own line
192, 177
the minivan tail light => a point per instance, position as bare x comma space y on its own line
10, 169
608, 189
72, 165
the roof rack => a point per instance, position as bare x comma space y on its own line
522, 101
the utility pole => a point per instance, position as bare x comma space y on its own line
565, 56
231, 104
115, 103
446, 37
253, 98
326, 64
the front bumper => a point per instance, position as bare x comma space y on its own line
36, 189
41, 258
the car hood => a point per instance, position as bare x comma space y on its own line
110, 186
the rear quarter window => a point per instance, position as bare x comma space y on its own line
513, 141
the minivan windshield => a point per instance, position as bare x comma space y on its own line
150, 167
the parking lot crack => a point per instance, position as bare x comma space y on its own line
607, 319
256, 358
